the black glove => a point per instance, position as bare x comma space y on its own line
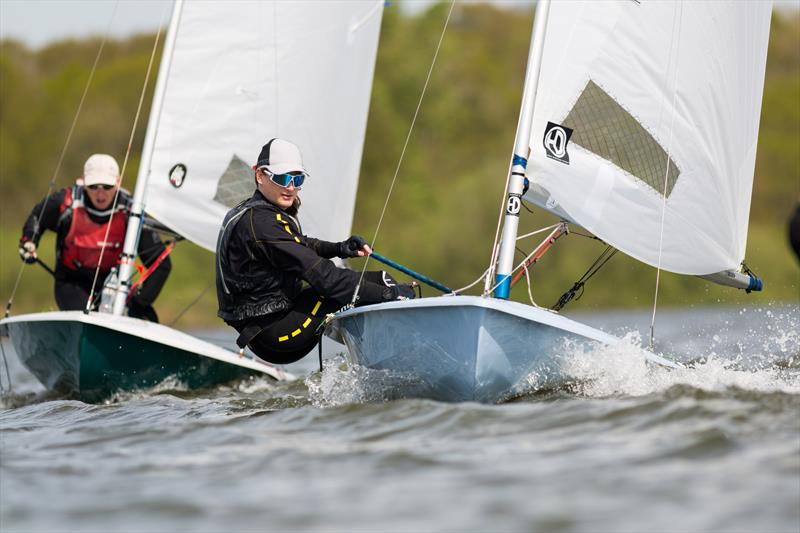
351, 247
27, 251
403, 291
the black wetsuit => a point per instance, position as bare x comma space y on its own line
73, 285
794, 231
262, 259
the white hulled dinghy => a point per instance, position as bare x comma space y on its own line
639, 123
224, 85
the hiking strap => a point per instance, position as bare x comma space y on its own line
249, 333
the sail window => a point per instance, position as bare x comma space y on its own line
236, 183
603, 127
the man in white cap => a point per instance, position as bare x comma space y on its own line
264, 260
90, 231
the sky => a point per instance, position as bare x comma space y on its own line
38, 22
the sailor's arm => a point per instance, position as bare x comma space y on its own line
47, 213
355, 246
289, 252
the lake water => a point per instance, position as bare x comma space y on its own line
628, 448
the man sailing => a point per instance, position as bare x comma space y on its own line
89, 238
263, 258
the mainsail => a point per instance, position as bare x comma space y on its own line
649, 111
244, 72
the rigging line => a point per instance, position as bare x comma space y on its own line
528, 282
527, 277
8, 373
515, 269
462, 289
64, 150
604, 257
405, 145
191, 304
666, 179
124, 165
538, 231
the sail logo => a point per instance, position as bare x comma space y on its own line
555, 142
177, 174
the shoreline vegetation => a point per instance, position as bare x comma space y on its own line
443, 213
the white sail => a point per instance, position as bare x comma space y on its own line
244, 72
636, 94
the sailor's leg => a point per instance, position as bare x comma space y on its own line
292, 335
70, 296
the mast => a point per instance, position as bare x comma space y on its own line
136, 218
520, 158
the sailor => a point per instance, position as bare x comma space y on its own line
794, 231
263, 258
89, 238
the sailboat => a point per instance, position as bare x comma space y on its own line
639, 123
231, 76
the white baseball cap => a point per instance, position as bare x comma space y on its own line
100, 169
280, 157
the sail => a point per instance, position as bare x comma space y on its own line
243, 72
646, 109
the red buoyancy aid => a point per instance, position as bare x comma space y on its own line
84, 243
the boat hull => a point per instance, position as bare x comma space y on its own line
91, 357
464, 348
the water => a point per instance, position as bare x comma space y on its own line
625, 448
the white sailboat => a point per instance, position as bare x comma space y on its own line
232, 75
639, 123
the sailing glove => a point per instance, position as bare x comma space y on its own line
27, 251
351, 247
402, 291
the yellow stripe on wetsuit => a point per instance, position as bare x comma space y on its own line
287, 228
298, 331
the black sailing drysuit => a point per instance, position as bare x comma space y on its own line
262, 256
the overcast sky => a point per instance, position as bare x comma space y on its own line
37, 22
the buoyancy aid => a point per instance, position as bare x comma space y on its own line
85, 241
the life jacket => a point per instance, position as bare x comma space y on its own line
86, 241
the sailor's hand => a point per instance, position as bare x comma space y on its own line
402, 291
27, 251
355, 246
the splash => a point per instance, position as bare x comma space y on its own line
168, 385
601, 371
342, 383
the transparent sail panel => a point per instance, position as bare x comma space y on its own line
236, 184
675, 91
605, 128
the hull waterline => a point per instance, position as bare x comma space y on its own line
94, 356
465, 348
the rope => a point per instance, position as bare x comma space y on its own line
63, 153
462, 289
599, 263
538, 231
528, 282
666, 183
486, 272
4, 390
191, 304
124, 166
405, 145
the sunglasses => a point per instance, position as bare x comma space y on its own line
97, 187
284, 180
